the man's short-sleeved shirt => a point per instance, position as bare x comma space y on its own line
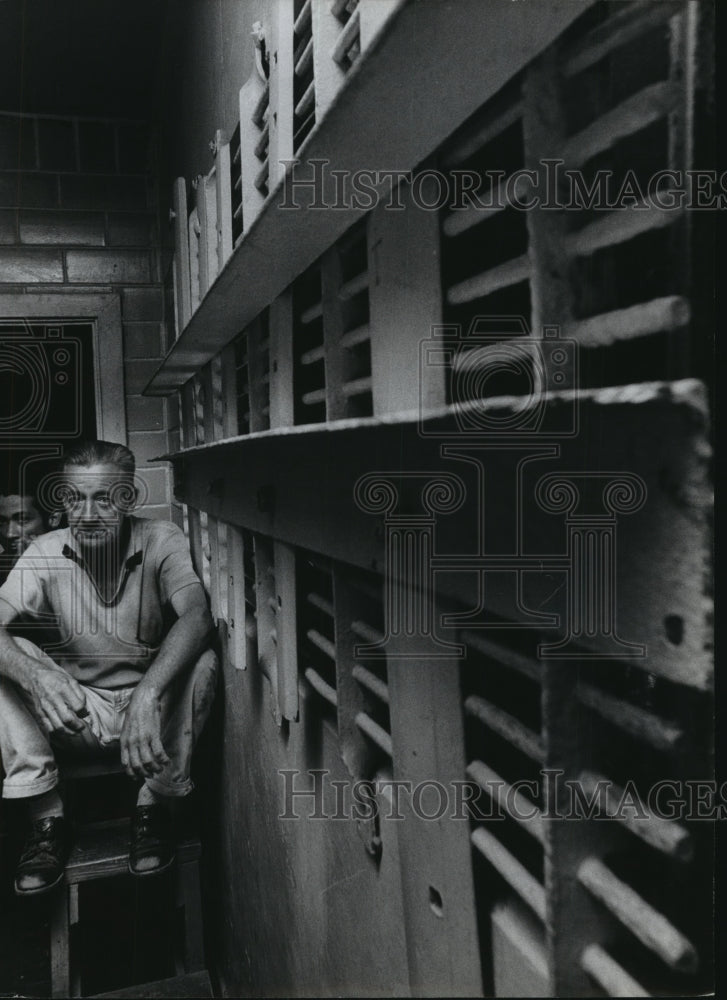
107, 644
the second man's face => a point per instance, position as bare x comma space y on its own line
20, 523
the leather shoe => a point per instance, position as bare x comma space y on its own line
44, 856
152, 845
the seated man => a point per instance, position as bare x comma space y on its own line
132, 668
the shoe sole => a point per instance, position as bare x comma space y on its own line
152, 871
38, 892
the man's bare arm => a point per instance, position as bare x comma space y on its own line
142, 752
58, 698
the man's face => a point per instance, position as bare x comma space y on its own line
99, 497
20, 523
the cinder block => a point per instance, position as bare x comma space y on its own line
147, 445
17, 143
22, 190
142, 340
8, 227
119, 266
141, 305
100, 192
132, 230
25, 265
156, 485
134, 151
137, 375
97, 146
144, 413
56, 144
61, 228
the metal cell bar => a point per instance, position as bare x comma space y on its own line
505, 725
665, 835
323, 688
354, 286
635, 721
632, 21
371, 682
303, 18
505, 656
619, 227
364, 631
494, 202
486, 132
508, 798
320, 602
306, 100
359, 335
325, 645
629, 117
357, 386
503, 276
305, 60
609, 975
346, 38
376, 732
646, 923
659, 315
514, 873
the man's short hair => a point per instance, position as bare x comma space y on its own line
101, 453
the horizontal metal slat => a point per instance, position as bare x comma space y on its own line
346, 39
514, 873
303, 18
325, 645
321, 603
313, 397
314, 355
321, 687
502, 276
666, 835
357, 284
306, 59
376, 732
481, 136
508, 798
359, 335
493, 203
366, 632
312, 312
371, 682
644, 922
631, 22
306, 100
507, 726
609, 975
357, 386
619, 227
628, 118
505, 656
643, 725
658, 316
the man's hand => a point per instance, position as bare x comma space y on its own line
142, 751
59, 701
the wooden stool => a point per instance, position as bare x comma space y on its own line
102, 853
101, 850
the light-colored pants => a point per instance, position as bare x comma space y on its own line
27, 755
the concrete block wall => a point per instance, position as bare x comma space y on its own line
78, 213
